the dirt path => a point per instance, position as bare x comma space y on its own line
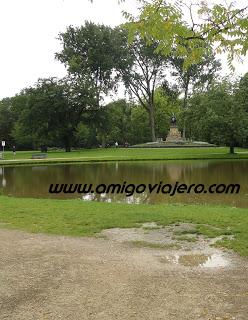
50, 277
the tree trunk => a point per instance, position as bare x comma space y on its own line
43, 148
185, 102
184, 131
152, 122
184, 108
232, 149
67, 144
103, 141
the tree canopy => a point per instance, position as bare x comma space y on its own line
165, 58
191, 30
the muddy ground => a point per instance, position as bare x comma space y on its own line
143, 273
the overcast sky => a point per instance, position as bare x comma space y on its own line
28, 32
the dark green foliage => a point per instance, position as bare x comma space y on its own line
218, 117
90, 54
49, 115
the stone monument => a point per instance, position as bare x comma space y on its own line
174, 134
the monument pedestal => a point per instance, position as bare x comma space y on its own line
174, 135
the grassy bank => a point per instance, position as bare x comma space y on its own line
78, 218
124, 154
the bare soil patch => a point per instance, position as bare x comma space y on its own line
111, 277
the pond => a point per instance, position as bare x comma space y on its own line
34, 181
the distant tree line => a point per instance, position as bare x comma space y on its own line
72, 112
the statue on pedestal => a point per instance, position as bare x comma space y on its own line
173, 120
174, 134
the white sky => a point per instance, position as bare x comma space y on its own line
28, 31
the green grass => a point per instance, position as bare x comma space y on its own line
124, 154
151, 228
155, 245
206, 230
185, 238
211, 232
78, 218
185, 232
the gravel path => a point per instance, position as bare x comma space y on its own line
55, 277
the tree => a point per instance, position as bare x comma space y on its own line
51, 113
242, 96
242, 93
166, 103
118, 115
142, 72
217, 117
140, 125
90, 55
219, 27
198, 76
82, 134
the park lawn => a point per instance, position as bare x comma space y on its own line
79, 218
125, 154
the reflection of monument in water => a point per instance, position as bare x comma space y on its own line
175, 172
174, 134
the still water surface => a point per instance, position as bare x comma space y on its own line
34, 181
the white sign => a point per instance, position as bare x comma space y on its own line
3, 143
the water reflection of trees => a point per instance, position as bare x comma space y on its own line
34, 181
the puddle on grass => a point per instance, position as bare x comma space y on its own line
214, 260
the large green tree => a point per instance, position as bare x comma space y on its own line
51, 113
118, 116
197, 77
242, 94
217, 117
90, 54
142, 71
